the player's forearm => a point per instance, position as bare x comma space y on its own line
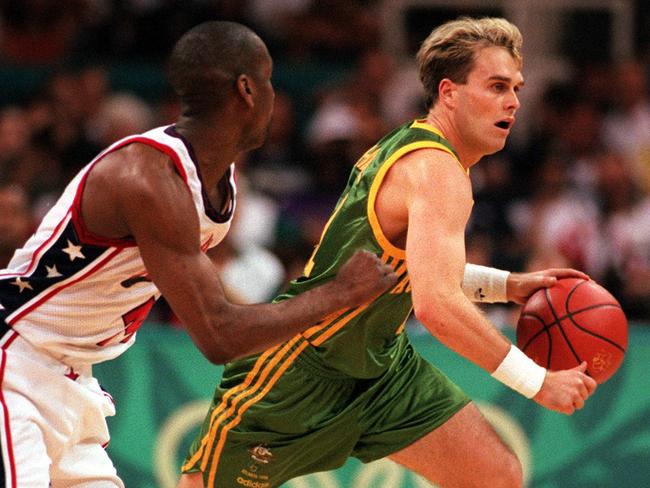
240, 330
459, 325
463, 328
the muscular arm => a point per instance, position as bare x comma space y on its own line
136, 191
427, 196
435, 249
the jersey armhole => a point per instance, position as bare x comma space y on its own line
373, 219
86, 236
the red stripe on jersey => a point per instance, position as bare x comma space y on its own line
88, 237
14, 336
5, 412
12, 319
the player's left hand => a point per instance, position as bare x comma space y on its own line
520, 286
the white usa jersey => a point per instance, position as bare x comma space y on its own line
80, 297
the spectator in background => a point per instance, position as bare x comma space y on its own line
627, 128
62, 109
559, 221
332, 30
36, 31
24, 161
626, 229
579, 145
494, 192
120, 115
344, 123
390, 85
16, 223
278, 167
547, 125
15, 133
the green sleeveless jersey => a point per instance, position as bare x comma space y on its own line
362, 342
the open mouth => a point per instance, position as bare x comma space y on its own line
503, 124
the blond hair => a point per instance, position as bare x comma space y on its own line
449, 51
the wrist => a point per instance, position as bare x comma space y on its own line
520, 373
335, 296
485, 284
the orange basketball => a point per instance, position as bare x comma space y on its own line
575, 320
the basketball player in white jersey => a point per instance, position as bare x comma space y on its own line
137, 222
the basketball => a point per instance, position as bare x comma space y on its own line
574, 321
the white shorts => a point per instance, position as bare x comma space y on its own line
53, 428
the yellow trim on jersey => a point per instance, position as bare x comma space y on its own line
424, 125
310, 264
401, 328
381, 238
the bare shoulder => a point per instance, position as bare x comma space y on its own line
427, 166
131, 181
133, 165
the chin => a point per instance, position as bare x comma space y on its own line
496, 147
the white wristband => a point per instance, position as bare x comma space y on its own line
520, 373
483, 284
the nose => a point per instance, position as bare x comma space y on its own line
512, 101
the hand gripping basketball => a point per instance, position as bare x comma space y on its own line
575, 320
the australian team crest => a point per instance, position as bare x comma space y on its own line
261, 454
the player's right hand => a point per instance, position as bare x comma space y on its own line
567, 390
363, 277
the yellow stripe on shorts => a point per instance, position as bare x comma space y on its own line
233, 423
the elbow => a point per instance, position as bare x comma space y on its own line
225, 349
217, 346
217, 355
431, 314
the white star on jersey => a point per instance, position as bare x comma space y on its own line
73, 251
22, 285
52, 272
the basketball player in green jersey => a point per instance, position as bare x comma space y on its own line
352, 385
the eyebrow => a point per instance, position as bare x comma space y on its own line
505, 79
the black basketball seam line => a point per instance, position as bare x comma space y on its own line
546, 327
587, 331
560, 319
543, 329
566, 307
614, 305
550, 342
555, 322
570, 315
559, 324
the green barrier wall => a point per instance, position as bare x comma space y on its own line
162, 388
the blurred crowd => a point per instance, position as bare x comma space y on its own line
574, 192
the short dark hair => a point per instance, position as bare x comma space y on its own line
206, 61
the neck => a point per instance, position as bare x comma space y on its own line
441, 121
215, 148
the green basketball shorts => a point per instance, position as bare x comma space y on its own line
281, 415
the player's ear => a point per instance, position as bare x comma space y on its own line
447, 93
245, 89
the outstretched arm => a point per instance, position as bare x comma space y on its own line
136, 191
